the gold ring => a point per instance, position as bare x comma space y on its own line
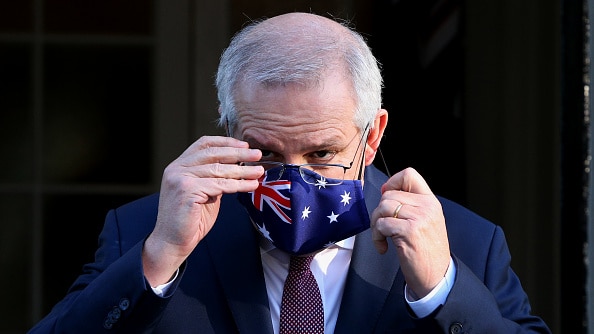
395, 215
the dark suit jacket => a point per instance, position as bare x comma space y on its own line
221, 286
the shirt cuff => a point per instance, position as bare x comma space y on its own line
161, 290
424, 306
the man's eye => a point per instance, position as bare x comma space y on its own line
267, 155
324, 155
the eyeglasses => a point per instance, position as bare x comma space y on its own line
319, 175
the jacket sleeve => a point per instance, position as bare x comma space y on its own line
111, 295
495, 303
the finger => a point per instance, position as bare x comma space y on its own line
397, 211
378, 219
384, 228
209, 146
220, 155
379, 240
227, 171
214, 141
229, 186
381, 244
391, 217
203, 191
408, 180
219, 150
386, 208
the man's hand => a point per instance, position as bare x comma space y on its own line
189, 202
417, 229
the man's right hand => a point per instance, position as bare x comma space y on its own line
189, 201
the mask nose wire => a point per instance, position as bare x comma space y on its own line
285, 166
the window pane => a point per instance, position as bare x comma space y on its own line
16, 16
97, 117
99, 17
15, 261
16, 124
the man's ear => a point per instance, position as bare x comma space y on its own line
376, 134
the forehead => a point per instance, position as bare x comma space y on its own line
295, 137
294, 114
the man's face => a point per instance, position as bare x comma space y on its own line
295, 125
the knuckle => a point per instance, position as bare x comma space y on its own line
209, 153
203, 141
218, 170
409, 172
170, 174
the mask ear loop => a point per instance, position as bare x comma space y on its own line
379, 149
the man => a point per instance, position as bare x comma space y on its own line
300, 97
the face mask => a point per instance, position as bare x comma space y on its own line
301, 218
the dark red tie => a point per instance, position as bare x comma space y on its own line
302, 310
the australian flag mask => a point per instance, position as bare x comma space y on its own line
301, 218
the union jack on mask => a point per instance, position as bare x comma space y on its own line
301, 218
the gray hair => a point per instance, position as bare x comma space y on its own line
301, 54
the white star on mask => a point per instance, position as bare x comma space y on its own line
265, 232
330, 243
333, 217
305, 213
321, 183
346, 197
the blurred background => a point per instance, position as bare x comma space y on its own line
488, 100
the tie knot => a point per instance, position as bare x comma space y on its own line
300, 263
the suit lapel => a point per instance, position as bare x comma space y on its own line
371, 276
236, 256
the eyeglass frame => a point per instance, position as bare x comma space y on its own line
299, 167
